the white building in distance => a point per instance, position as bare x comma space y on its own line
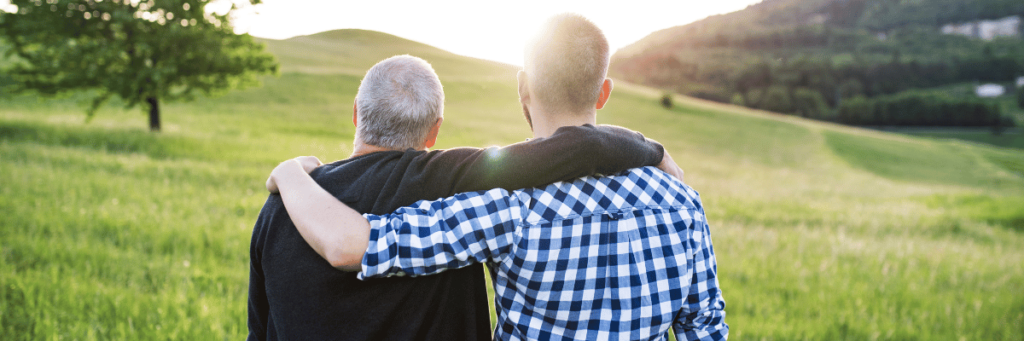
990, 90
1020, 82
986, 29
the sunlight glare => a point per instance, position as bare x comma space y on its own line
6, 6
488, 30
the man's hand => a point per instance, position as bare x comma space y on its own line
316, 214
289, 168
669, 166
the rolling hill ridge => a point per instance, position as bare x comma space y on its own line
353, 51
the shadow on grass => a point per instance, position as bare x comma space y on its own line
110, 140
121, 140
220, 147
13, 299
1012, 138
923, 162
1008, 161
1004, 211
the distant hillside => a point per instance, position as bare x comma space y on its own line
776, 18
835, 48
887, 15
352, 51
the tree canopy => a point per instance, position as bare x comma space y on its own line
141, 51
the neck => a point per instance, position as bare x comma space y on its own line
359, 148
546, 123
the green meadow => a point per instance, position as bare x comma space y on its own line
822, 232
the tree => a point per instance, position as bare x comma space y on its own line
777, 99
144, 52
809, 103
758, 75
737, 99
1020, 97
666, 100
856, 111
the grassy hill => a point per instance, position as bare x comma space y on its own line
821, 231
352, 52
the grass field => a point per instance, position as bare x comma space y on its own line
822, 232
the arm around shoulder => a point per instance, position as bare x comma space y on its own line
434, 236
571, 152
609, 149
335, 231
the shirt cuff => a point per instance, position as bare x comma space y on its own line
376, 258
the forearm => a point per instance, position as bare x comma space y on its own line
434, 236
705, 316
335, 231
618, 149
570, 153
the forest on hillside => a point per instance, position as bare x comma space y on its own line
837, 60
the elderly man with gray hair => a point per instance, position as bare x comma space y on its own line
295, 294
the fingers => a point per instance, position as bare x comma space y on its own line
272, 185
276, 172
669, 166
283, 169
309, 163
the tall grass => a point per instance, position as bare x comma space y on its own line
822, 232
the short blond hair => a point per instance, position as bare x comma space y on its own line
566, 63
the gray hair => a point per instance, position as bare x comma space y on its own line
398, 102
566, 62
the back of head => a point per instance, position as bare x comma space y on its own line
566, 63
399, 101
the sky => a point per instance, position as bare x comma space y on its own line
494, 30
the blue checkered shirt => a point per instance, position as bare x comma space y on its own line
609, 258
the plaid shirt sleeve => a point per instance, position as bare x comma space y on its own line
433, 236
703, 314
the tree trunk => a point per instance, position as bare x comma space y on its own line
154, 114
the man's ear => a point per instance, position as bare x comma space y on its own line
606, 91
524, 88
354, 115
432, 136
